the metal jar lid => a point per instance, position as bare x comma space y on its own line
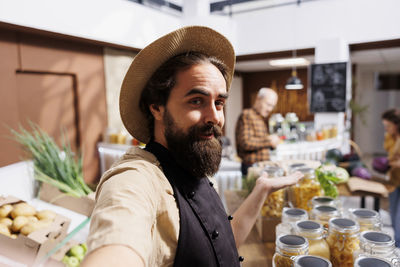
343, 225
327, 201
372, 262
294, 214
311, 261
377, 239
309, 229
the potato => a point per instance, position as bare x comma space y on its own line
6, 221
13, 236
5, 210
34, 226
18, 223
22, 209
46, 215
32, 219
4, 230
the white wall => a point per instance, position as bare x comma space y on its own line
370, 136
283, 28
275, 29
233, 108
115, 21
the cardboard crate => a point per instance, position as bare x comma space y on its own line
82, 205
31, 249
266, 228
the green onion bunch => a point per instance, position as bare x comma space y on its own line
52, 165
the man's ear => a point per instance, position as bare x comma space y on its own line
157, 111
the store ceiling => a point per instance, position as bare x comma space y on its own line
375, 56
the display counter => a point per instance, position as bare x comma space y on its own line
314, 150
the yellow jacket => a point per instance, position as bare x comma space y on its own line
392, 146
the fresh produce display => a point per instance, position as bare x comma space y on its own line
353, 165
362, 173
58, 167
75, 255
380, 164
22, 218
351, 157
330, 175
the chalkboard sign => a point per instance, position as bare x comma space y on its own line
328, 87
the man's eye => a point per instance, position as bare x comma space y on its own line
220, 103
195, 101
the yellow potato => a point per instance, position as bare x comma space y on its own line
4, 230
5, 210
32, 219
46, 215
6, 221
18, 223
34, 226
23, 209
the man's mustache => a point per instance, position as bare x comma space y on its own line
207, 129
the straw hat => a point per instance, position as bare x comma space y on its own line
149, 59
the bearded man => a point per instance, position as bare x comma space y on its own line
157, 206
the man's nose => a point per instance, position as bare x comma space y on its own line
212, 115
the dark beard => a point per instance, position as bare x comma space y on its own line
199, 157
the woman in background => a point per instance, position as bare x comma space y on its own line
391, 123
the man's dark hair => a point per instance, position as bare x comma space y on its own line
158, 88
392, 115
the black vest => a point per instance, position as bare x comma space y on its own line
205, 234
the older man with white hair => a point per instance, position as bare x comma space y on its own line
253, 141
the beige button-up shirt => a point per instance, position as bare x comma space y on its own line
135, 207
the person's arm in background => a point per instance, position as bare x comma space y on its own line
246, 215
247, 138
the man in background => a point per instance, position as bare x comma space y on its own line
253, 141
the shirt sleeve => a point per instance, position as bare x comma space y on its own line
124, 214
247, 137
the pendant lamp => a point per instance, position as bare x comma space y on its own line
294, 83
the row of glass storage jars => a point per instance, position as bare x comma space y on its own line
342, 245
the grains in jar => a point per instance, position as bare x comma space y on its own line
343, 241
315, 233
275, 201
288, 246
308, 187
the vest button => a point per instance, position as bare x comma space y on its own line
214, 234
230, 217
241, 258
191, 194
211, 184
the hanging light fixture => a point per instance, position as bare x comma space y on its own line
294, 83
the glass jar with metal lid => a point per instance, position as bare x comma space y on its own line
308, 187
294, 166
287, 247
372, 261
323, 214
275, 201
343, 241
315, 234
289, 217
367, 219
325, 201
311, 261
378, 244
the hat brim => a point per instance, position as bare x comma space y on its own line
192, 38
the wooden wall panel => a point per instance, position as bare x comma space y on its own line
40, 54
288, 100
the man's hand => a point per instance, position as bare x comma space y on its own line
274, 140
271, 185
